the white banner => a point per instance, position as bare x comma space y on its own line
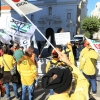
18, 28
62, 38
34, 40
95, 45
22, 7
47, 44
25, 42
4, 37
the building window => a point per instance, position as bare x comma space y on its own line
32, 17
68, 15
50, 10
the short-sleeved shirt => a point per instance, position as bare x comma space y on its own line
0, 61
18, 54
9, 60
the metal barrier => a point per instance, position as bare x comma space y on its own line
43, 61
42, 65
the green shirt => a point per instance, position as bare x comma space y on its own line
18, 54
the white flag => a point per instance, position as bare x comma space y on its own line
4, 37
95, 45
47, 44
34, 40
22, 7
18, 28
21, 13
25, 42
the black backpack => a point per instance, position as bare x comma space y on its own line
58, 64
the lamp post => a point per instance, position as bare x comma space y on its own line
71, 32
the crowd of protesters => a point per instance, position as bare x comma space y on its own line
61, 70
26, 69
84, 75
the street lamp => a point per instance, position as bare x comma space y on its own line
71, 32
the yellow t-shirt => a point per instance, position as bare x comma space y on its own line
0, 61
27, 72
88, 62
84, 51
9, 60
70, 55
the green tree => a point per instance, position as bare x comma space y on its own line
90, 25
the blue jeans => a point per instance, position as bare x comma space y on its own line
92, 81
14, 88
30, 91
51, 91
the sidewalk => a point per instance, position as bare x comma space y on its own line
42, 94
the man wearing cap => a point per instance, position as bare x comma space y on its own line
88, 66
60, 80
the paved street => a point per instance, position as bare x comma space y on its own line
42, 94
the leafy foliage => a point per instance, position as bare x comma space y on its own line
90, 25
87, 34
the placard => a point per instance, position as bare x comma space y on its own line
62, 38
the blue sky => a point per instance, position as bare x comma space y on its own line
91, 6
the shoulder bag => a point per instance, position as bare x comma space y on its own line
13, 70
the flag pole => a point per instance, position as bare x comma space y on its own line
21, 13
42, 49
38, 30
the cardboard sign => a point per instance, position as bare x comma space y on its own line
62, 38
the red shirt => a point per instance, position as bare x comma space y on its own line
1, 52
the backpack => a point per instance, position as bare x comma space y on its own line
58, 64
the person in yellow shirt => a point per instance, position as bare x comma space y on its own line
35, 60
54, 62
8, 60
84, 50
68, 51
88, 67
28, 73
60, 80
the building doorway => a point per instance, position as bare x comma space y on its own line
50, 33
